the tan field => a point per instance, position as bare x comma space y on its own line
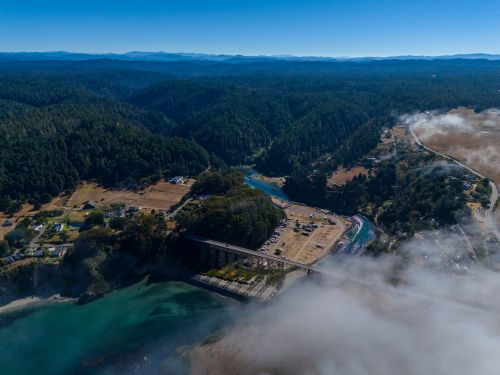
160, 196
472, 138
478, 214
399, 132
27, 211
308, 249
342, 175
4, 231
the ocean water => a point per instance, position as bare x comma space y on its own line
133, 330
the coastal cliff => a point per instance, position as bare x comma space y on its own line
29, 279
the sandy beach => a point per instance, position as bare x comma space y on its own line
23, 302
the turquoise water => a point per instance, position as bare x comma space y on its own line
359, 239
131, 330
252, 180
362, 238
358, 243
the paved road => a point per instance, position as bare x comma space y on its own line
172, 215
341, 279
494, 191
39, 234
242, 250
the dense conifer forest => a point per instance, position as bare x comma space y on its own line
124, 123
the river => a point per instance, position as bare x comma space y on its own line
252, 179
133, 329
359, 236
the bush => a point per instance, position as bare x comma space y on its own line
94, 218
19, 237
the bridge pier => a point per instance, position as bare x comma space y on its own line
219, 254
281, 280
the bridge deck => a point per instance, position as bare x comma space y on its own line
245, 251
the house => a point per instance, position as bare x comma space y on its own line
59, 228
176, 180
133, 209
58, 252
38, 227
89, 205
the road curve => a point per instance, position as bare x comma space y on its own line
488, 214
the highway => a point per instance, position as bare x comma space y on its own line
488, 214
341, 279
245, 251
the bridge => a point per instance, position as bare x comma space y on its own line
340, 279
271, 259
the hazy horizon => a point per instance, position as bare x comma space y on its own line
272, 55
296, 27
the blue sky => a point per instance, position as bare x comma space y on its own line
272, 27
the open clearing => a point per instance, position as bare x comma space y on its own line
473, 138
308, 246
27, 211
160, 196
342, 175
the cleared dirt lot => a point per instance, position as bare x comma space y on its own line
320, 241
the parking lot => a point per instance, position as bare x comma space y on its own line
306, 235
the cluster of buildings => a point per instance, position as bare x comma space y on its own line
39, 252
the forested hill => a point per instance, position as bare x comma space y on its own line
53, 135
233, 122
123, 122
280, 121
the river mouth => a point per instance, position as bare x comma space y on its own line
133, 329
138, 329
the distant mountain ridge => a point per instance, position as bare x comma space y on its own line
172, 57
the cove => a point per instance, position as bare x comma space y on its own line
133, 329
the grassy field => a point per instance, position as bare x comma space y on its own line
472, 138
342, 175
160, 196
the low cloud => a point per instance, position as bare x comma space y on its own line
486, 156
474, 138
434, 323
430, 124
